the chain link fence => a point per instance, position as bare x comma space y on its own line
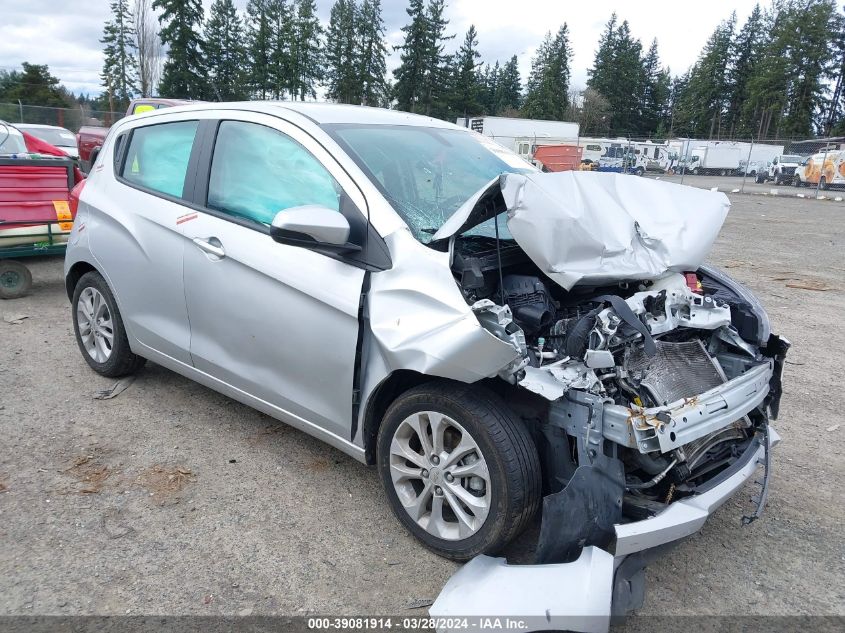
69, 118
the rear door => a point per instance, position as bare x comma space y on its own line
274, 321
136, 235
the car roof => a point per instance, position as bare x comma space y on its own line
325, 113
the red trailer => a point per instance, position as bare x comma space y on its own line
559, 157
36, 215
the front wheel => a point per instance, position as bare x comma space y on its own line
796, 182
99, 328
460, 471
823, 183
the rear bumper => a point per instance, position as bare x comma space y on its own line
582, 595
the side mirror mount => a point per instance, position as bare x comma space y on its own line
313, 226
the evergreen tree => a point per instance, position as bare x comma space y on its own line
509, 87
34, 86
618, 76
260, 45
409, 88
343, 68
225, 56
372, 59
548, 86
812, 61
747, 48
466, 89
655, 94
306, 50
183, 74
282, 43
705, 98
120, 68
439, 65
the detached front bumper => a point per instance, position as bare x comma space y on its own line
582, 595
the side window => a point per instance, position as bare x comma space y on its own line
143, 107
257, 171
158, 156
118, 150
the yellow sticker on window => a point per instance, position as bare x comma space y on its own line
143, 108
63, 213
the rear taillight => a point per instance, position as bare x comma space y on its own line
693, 283
74, 196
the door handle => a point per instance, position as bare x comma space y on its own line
208, 247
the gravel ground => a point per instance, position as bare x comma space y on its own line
172, 499
729, 183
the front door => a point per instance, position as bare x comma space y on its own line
277, 322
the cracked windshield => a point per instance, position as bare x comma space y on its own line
427, 173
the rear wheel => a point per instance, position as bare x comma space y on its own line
15, 279
823, 183
99, 329
460, 471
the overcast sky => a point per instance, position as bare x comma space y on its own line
65, 34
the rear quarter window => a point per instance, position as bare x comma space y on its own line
158, 156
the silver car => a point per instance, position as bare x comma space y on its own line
494, 339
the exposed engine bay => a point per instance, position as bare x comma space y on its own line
658, 357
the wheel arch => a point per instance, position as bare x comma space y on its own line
74, 274
384, 394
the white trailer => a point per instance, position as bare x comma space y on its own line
722, 159
523, 135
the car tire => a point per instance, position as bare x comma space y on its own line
823, 183
640, 171
99, 328
466, 416
695, 171
15, 279
796, 182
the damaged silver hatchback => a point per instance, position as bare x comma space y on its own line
499, 342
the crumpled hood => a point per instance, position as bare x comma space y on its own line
592, 228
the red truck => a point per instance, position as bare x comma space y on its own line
90, 137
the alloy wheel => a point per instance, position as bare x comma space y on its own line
440, 476
96, 329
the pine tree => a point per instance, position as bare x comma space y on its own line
306, 50
282, 42
225, 56
410, 74
509, 87
438, 77
812, 64
705, 98
618, 76
548, 86
183, 74
655, 94
466, 89
343, 68
260, 46
120, 67
747, 48
373, 53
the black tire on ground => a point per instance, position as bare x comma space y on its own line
505, 445
796, 181
695, 171
15, 279
760, 179
122, 360
640, 171
823, 183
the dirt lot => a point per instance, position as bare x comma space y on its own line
172, 499
729, 183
